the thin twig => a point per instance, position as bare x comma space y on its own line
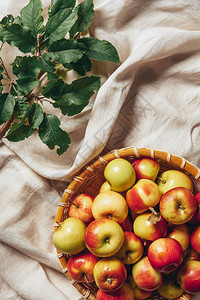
6, 126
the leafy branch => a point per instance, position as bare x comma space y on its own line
48, 49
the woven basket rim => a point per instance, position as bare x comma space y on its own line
126, 152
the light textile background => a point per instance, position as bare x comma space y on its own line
152, 99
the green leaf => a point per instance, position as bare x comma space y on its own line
7, 104
59, 24
21, 107
52, 135
19, 131
35, 115
85, 16
53, 88
100, 50
18, 36
27, 84
66, 51
82, 66
26, 66
46, 64
31, 16
61, 4
76, 95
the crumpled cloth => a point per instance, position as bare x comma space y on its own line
152, 99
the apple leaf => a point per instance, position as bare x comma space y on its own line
21, 107
66, 51
52, 135
7, 104
31, 16
35, 115
85, 16
59, 24
82, 66
100, 50
19, 131
18, 36
76, 95
58, 5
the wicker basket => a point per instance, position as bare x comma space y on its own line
89, 181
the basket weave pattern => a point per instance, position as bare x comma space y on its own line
90, 179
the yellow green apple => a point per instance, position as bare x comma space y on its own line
69, 237
120, 174
173, 178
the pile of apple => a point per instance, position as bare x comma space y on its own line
141, 233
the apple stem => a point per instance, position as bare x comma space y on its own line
58, 224
73, 203
155, 216
153, 210
161, 179
181, 207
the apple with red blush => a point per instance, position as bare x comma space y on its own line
195, 239
148, 230
127, 224
141, 294
104, 237
170, 289
110, 204
146, 168
178, 205
123, 293
80, 266
197, 214
109, 274
181, 233
144, 194
145, 276
165, 254
132, 248
81, 207
190, 254
189, 277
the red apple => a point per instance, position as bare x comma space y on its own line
165, 254
178, 205
127, 224
123, 293
81, 208
190, 254
144, 194
197, 215
171, 179
195, 239
132, 248
110, 205
180, 233
141, 294
146, 168
170, 288
104, 237
189, 276
80, 266
109, 274
145, 276
147, 230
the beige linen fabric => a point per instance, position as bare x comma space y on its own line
152, 99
